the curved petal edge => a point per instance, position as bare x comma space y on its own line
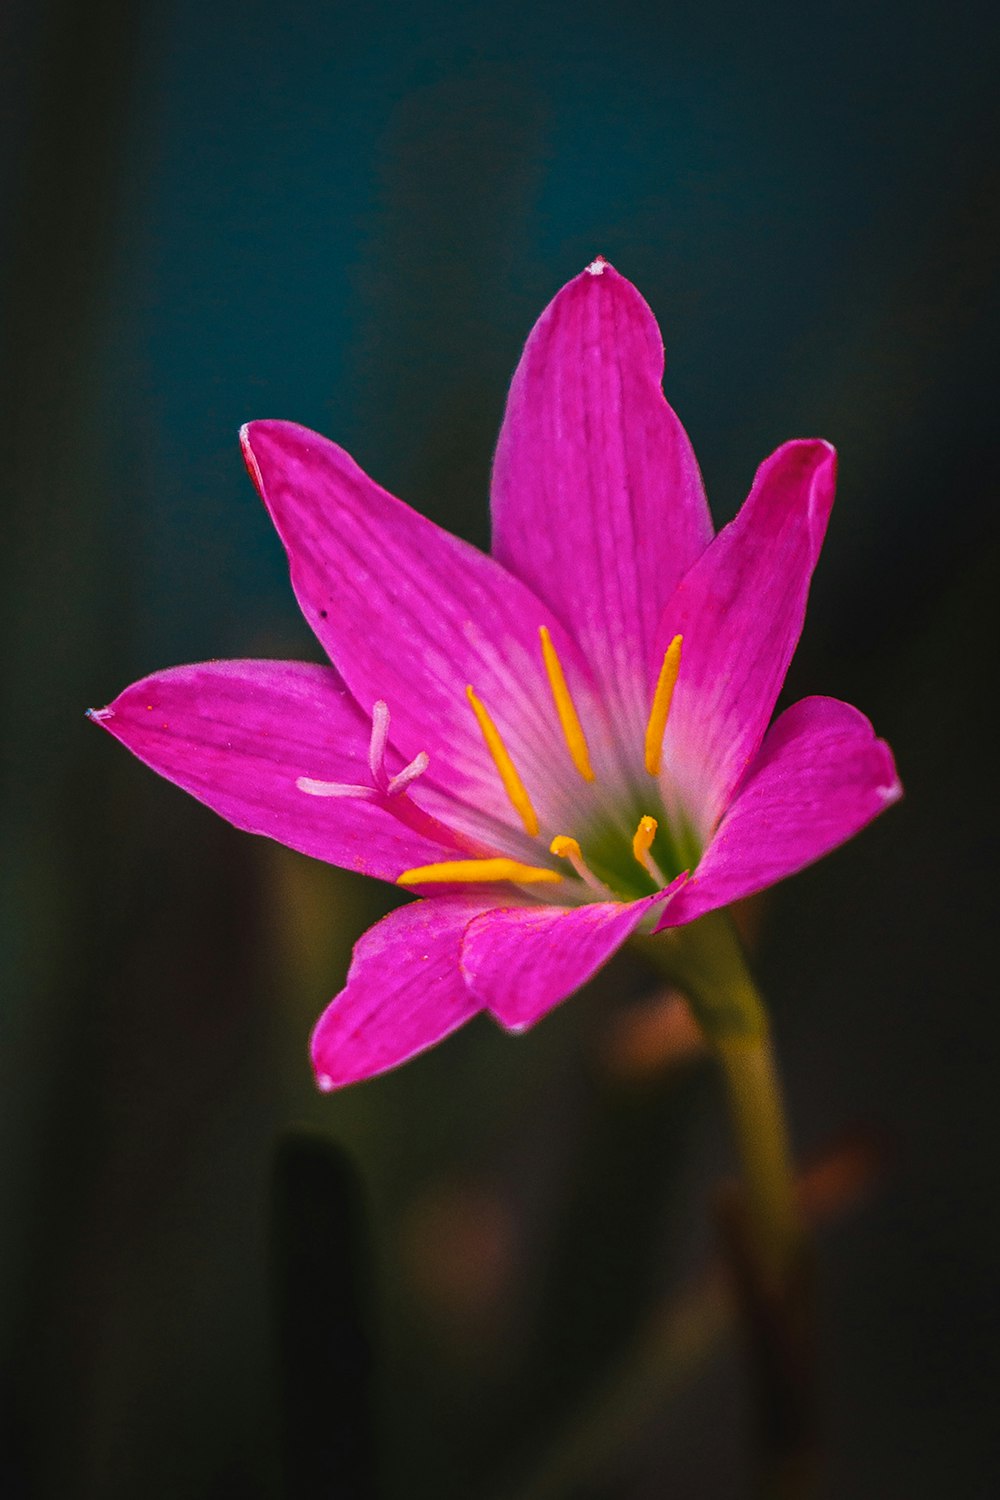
239, 735
597, 499
820, 776
404, 992
523, 961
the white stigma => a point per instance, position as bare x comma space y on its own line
334, 789
418, 765
384, 784
377, 744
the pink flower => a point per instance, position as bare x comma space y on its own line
555, 746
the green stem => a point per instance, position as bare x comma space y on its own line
768, 1245
705, 959
757, 1113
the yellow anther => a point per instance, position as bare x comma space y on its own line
569, 719
642, 843
512, 783
661, 706
642, 839
475, 871
566, 848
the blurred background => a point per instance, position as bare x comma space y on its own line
213, 1282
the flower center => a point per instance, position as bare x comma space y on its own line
618, 864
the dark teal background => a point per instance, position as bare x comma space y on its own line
350, 216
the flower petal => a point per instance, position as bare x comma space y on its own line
404, 992
597, 499
820, 776
412, 615
740, 611
522, 961
239, 734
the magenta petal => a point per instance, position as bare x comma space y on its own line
404, 992
820, 776
238, 735
740, 611
412, 615
597, 499
522, 961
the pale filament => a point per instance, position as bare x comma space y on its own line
568, 849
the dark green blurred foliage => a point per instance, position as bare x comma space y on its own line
350, 216
323, 1319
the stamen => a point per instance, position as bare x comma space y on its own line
657, 725
567, 848
512, 783
642, 842
569, 719
377, 743
418, 765
474, 871
335, 789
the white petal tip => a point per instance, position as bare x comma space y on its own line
597, 266
890, 794
325, 1083
99, 715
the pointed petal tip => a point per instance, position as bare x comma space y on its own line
259, 437
100, 715
600, 274
249, 458
826, 454
823, 457
801, 473
890, 793
327, 1075
810, 452
332, 1073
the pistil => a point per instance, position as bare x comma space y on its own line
377, 744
